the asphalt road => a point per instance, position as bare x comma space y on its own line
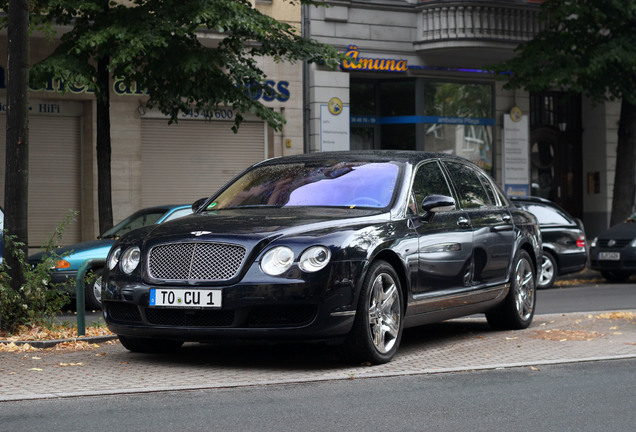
578, 397
587, 298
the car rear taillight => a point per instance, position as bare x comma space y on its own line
580, 242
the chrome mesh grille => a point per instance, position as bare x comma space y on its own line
195, 261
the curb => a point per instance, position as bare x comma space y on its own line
51, 343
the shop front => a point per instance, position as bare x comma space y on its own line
417, 78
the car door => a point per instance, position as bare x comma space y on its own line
444, 244
491, 222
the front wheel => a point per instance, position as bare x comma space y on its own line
517, 310
145, 345
377, 329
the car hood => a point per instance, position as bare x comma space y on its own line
250, 226
77, 249
626, 230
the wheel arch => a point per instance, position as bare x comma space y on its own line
394, 261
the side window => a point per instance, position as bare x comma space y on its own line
489, 188
471, 192
429, 180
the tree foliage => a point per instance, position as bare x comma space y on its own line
588, 47
186, 54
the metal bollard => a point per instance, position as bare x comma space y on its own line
80, 299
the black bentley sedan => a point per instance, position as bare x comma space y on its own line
344, 247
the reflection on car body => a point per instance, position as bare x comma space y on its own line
344, 247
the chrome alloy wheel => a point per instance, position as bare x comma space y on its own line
97, 288
524, 289
384, 313
547, 271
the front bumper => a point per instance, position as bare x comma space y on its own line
64, 280
308, 307
624, 262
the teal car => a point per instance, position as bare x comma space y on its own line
73, 256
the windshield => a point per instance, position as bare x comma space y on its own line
331, 184
136, 220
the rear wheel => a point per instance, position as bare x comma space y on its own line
548, 271
616, 276
517, 310
377, 329
145, 345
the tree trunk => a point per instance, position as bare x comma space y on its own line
104, 197
16, 196
625, 176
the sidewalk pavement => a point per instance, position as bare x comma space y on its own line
466, 344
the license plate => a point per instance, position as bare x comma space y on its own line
185, 298
609, 256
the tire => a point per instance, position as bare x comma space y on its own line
93, 289
549, 271
517, 310
616, 276
378, 325
145, 345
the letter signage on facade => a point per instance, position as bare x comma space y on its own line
371, 64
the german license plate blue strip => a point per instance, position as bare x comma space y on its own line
185, 298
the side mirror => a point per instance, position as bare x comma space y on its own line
196, 206
438, 203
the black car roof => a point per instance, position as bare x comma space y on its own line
363, 155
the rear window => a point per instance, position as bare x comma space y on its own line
547, 215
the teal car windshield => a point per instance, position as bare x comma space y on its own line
339, 184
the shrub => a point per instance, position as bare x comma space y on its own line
38, 301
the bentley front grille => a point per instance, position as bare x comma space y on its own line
195, 261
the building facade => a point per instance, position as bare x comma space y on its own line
418, 80
153, 162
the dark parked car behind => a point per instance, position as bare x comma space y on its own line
346, 247
564, 248
613, 252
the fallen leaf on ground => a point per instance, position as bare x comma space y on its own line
630, 316
12, 347
564, 335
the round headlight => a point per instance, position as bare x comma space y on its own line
113, 258
314, 258
130, 259
277, 261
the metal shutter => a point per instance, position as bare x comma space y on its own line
54, 175
183, 162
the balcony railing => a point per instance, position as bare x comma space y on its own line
470, 21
